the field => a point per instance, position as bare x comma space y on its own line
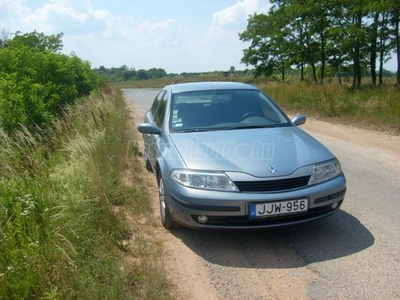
376, 108
370, 108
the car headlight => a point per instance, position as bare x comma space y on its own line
325, 171
204, 180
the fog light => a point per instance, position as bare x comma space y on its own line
202, 219
335, 205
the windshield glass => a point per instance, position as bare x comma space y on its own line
224, 110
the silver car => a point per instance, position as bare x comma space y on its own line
226, 156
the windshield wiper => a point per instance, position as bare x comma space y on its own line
250, 126
194, 130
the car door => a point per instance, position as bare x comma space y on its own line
155, 116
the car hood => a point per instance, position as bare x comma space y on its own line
251, 151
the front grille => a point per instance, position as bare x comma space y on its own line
272, 185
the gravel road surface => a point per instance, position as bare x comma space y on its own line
354, 254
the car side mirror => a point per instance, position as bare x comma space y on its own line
148, 128
299, 120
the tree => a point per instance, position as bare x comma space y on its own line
314, 35
384, 46
268, 49
395, 22
5, 38
142, 74
356, 14
156, 73
311, 28
36, 82
39, 40
297, 31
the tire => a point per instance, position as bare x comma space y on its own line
166, 219
148, 165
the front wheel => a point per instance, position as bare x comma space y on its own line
148, 165
166, 219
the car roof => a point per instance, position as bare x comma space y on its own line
214, 85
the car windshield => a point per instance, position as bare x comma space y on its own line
224, 110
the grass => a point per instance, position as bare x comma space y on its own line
373, 108
67, 217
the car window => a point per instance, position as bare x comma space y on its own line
160, 114
156, 103
224, 109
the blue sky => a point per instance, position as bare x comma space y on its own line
176, 35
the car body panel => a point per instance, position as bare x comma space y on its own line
250, 150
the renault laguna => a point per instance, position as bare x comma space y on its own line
225, 155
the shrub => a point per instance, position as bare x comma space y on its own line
36, 83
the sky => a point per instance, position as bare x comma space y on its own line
175, 35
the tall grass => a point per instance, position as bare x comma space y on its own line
61, 202
372, 107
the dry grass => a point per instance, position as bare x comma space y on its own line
66, 215
373, 108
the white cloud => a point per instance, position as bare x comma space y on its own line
112, 27
12, 13
155, 26
78, 18
58, 10
51, 17
13, 7
238, 13
101, 14
229, 21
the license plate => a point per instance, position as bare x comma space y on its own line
263, 210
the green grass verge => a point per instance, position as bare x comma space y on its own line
63, 211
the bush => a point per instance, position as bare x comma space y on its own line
36, 83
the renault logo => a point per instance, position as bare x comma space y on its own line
272, 169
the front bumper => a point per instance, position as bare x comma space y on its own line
231, 210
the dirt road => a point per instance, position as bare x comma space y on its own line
354, 254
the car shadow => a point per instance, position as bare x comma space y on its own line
337, 236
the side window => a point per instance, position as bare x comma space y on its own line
156, 103
159, 117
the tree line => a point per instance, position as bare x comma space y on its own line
37, 81
325, 37
124, 73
